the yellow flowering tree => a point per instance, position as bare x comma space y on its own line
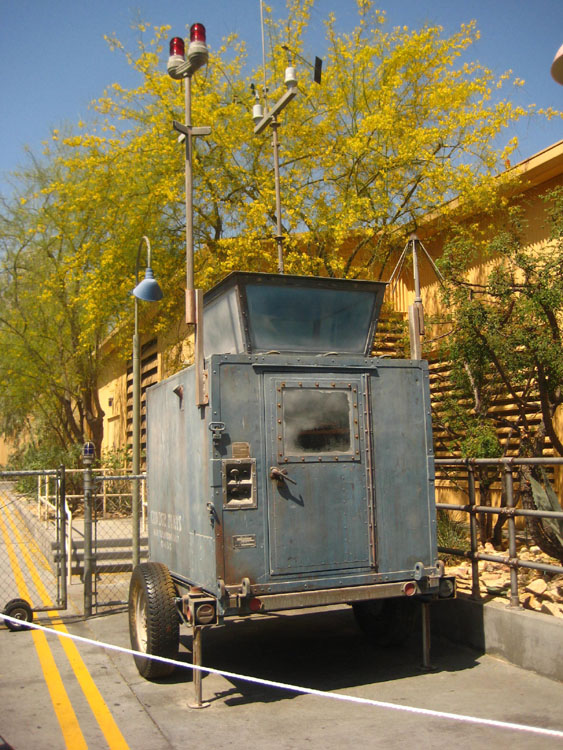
399, 125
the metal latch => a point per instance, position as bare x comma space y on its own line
212, 513
217, 429
280, 475
245, 588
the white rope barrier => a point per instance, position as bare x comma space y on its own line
295, 688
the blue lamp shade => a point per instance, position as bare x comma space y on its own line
148, 289
557, 66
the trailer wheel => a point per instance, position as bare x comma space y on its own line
154, 623
387, 622
21, 611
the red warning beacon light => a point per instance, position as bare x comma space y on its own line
177, 56
197, 32
197, 53
177, 47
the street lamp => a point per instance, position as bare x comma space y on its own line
149, 291
557, 66
179, 68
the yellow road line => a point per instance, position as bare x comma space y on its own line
62, 706
38, 553
33, 543
103, 716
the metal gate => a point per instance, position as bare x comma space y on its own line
32, 542
112, 552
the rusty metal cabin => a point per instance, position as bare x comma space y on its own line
308, 478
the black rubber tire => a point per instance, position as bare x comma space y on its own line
387, 622
21, 610
154, 622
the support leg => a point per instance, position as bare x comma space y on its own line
197, 654
426, 664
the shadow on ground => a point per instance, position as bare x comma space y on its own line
321, 650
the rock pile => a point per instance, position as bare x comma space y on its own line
541, 592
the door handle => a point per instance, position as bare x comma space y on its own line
280, 475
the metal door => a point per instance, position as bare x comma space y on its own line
318, 461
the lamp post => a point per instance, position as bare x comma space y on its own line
179, 68
148, 290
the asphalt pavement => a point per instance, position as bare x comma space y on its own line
322, 649
58, 693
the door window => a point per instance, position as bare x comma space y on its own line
317, 422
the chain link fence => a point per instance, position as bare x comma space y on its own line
32, 574
44, 555
112, 542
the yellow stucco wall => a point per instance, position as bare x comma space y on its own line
5, 450
173, 351
113, 399
540, 174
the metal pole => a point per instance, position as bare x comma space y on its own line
417, 297
88, 538
426, 663
149, 291
416, 311
136, 458
512, 553
279, 236
61, 510
414, 332
475, 590
190, 299
194, 305
197, 655
104, 496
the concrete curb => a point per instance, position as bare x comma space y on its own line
530, 640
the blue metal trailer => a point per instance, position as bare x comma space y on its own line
305, 478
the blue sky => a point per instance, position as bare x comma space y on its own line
54, 60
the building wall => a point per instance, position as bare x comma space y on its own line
540, 174
161, 355
5, 450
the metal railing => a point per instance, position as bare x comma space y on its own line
509, 511
45, 496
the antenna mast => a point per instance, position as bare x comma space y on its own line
264, 87
270, 117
